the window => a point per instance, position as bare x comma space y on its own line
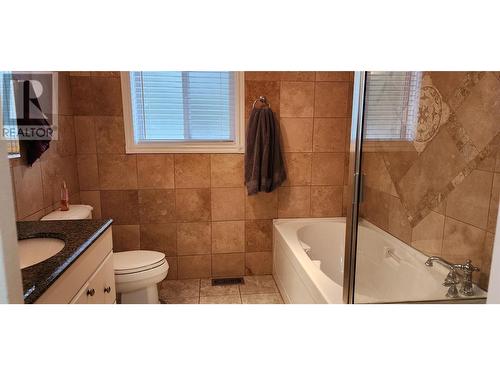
183, 111
8, 115
391, 105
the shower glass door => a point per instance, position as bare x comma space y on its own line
426, 180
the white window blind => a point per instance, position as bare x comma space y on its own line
391, 105
183, 106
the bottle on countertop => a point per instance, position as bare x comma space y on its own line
64, 197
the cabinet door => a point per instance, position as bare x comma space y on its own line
109, 280
81, 297
96, 289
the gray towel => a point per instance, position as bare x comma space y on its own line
264, 166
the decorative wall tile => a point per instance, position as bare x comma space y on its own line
297, 99
194, 238
192, 170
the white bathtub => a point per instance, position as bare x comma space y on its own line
308, 265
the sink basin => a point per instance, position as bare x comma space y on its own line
35, 250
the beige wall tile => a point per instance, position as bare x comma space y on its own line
155, 171
194, 266
268, 88
85, 135
297, 99
194, 238
297, 76
328, 169
92, 198
334, 76
65, 105
462, 241
156, 206
117, 172
172, 268
298, 168
331, 99
494, 202
294, 201
399, 226
125, 237
469, 201
485, 266
427, 235
436, 166
107, 96
297, 134
227, 170
375, 207
192, 204
326, 201
110, 134
376, 175
88, 175
228, 264
81, 95
260, 263
28, 189
481, 107
262, 206
66, 136
159, 237
447, 82
228, 204
192, 170
228, 237
120, 205
329, 134
263, 76
258, 235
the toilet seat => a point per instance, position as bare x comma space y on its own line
131, 262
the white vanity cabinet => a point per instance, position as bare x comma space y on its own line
100, 288
89, 280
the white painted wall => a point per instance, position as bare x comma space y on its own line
494, 283
10, 275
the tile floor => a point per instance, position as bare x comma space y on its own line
257, 289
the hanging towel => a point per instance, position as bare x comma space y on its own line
264, 166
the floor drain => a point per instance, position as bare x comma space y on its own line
228, 281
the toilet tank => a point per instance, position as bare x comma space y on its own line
75, 212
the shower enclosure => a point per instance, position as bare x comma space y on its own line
425, 181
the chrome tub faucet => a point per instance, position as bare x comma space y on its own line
453, 279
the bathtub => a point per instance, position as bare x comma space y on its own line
308, 265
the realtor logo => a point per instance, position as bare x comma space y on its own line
29, 105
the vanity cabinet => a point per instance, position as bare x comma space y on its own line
100, 288
89, 280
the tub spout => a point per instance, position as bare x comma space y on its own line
430, 261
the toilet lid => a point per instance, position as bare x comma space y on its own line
136, 261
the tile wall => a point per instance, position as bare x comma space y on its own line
37, 188
443, 198
194, 207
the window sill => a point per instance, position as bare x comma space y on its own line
185, 148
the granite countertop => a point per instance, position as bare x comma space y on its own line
78, 235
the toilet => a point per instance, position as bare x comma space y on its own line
137, 272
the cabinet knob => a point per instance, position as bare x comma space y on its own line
107, 290
91, 292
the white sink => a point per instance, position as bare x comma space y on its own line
35, 250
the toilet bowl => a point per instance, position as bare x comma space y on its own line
136, 274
